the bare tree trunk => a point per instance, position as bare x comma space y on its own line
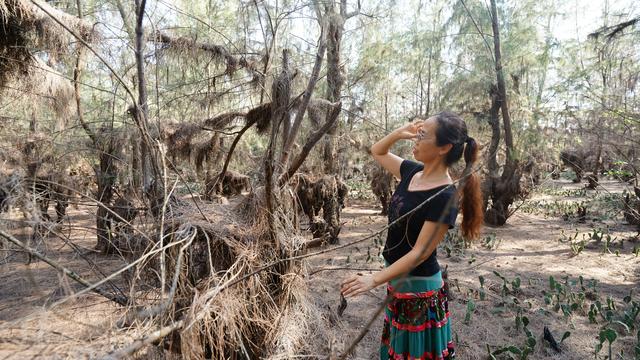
105, 173
106, 176
428, 110
503, 190
125, 19
136, 160
492, 163
504, 105
420, 92
335, 80
313, 139
386, 111
142, 110
280, 112
152, 187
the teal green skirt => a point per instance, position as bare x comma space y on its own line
416, 323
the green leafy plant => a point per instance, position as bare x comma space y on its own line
620, 172
482, 292
490, 242
471, 306
608, 335
515, 284
454, 243
522, 352
563, 298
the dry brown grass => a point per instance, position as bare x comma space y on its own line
252, 318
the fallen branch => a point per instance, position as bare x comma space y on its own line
122, 300
127, 352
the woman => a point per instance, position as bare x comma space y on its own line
416, 324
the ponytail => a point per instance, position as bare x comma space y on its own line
471, 197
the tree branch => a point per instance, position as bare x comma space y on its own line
217, 51
122, 300
313, 139
305, 99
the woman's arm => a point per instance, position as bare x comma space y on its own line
380, 150
356, 285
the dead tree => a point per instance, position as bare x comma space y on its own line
234, 183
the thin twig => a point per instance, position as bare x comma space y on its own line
478, 29
340, 268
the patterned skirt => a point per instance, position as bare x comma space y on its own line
416, 324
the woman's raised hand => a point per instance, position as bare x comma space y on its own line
409, 131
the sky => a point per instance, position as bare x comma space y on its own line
582, 17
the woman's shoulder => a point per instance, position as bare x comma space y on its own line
409, 167
410, 164
443, 193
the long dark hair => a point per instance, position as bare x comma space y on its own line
452, 129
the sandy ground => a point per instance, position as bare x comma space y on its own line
528, 247
32, 324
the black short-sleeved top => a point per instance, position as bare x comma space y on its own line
402, 236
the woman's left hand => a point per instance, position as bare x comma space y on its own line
357, 284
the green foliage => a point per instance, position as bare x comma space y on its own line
571, 296
490, 241
598, 235
563, 298
601, 206
621, 171
454, 243
608, 335
515, 284
523, 351
471, 306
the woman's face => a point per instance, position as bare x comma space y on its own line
426, 149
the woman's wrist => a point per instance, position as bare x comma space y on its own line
382, 147
377, 281
395, 135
